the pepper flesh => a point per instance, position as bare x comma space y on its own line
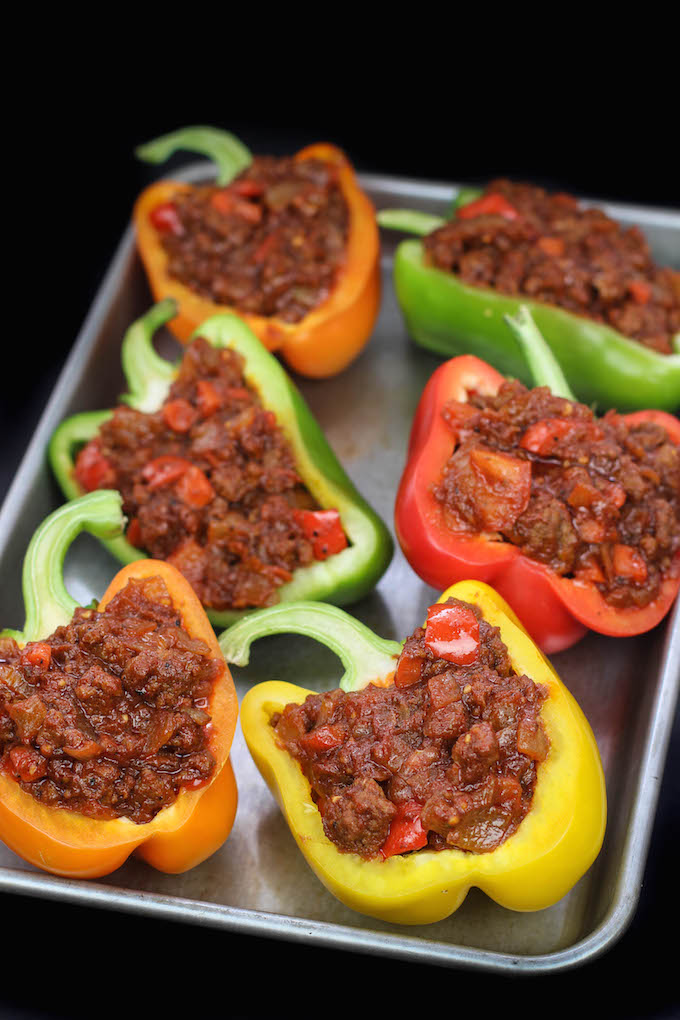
196, 824
557, 611
346, 576
331, 335
556, 842
449, 317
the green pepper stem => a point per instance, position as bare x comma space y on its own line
366, 657
410, 221
47, 603
543, 366
148, 375
228, 153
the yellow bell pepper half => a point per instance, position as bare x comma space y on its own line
554, 845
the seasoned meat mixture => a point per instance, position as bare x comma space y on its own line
107, 716
522, 240
592, 498
270, 243
209, 483
446, 756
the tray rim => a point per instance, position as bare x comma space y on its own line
329, 934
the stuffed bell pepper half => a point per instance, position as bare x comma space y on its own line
117, 719
574, 519
453, 760
610, 314
290, 244
225, 474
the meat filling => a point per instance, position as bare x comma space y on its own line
597, 499
209, 483
446, 756
270, 243
519, 239
108, 715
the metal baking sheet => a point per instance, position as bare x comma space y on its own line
258, 882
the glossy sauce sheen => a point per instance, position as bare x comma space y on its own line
555, 251
107, 716
592, 498
450, 751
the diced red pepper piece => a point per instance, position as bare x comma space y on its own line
501, 487
208, 398
223, 201
452, 633
542, 438
194, 488
248, 210
228, 201
179, 415
322, 738
242, 393
629, 563
27, 764
165, 219
406, 831
640, 291
324, 530
248, 188
92, 469
134, 533
164, 470
553, 246
38, 654
408, 670
488, 205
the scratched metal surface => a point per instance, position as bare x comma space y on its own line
258, 882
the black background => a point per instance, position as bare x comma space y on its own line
464, 112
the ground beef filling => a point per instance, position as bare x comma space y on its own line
270, 243
209, 483
593, 499
555, 251
444, 757
107, 716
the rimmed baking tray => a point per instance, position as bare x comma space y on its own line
258, 883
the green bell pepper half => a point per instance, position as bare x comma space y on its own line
449, 317
344, 577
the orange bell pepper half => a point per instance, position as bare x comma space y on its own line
199, 820
331, 335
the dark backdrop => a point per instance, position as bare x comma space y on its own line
73, 197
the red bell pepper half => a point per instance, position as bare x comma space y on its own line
556, 611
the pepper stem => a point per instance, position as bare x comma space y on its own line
543, 366
366, 657
48, 604
148, 375
410, 221
229, 154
